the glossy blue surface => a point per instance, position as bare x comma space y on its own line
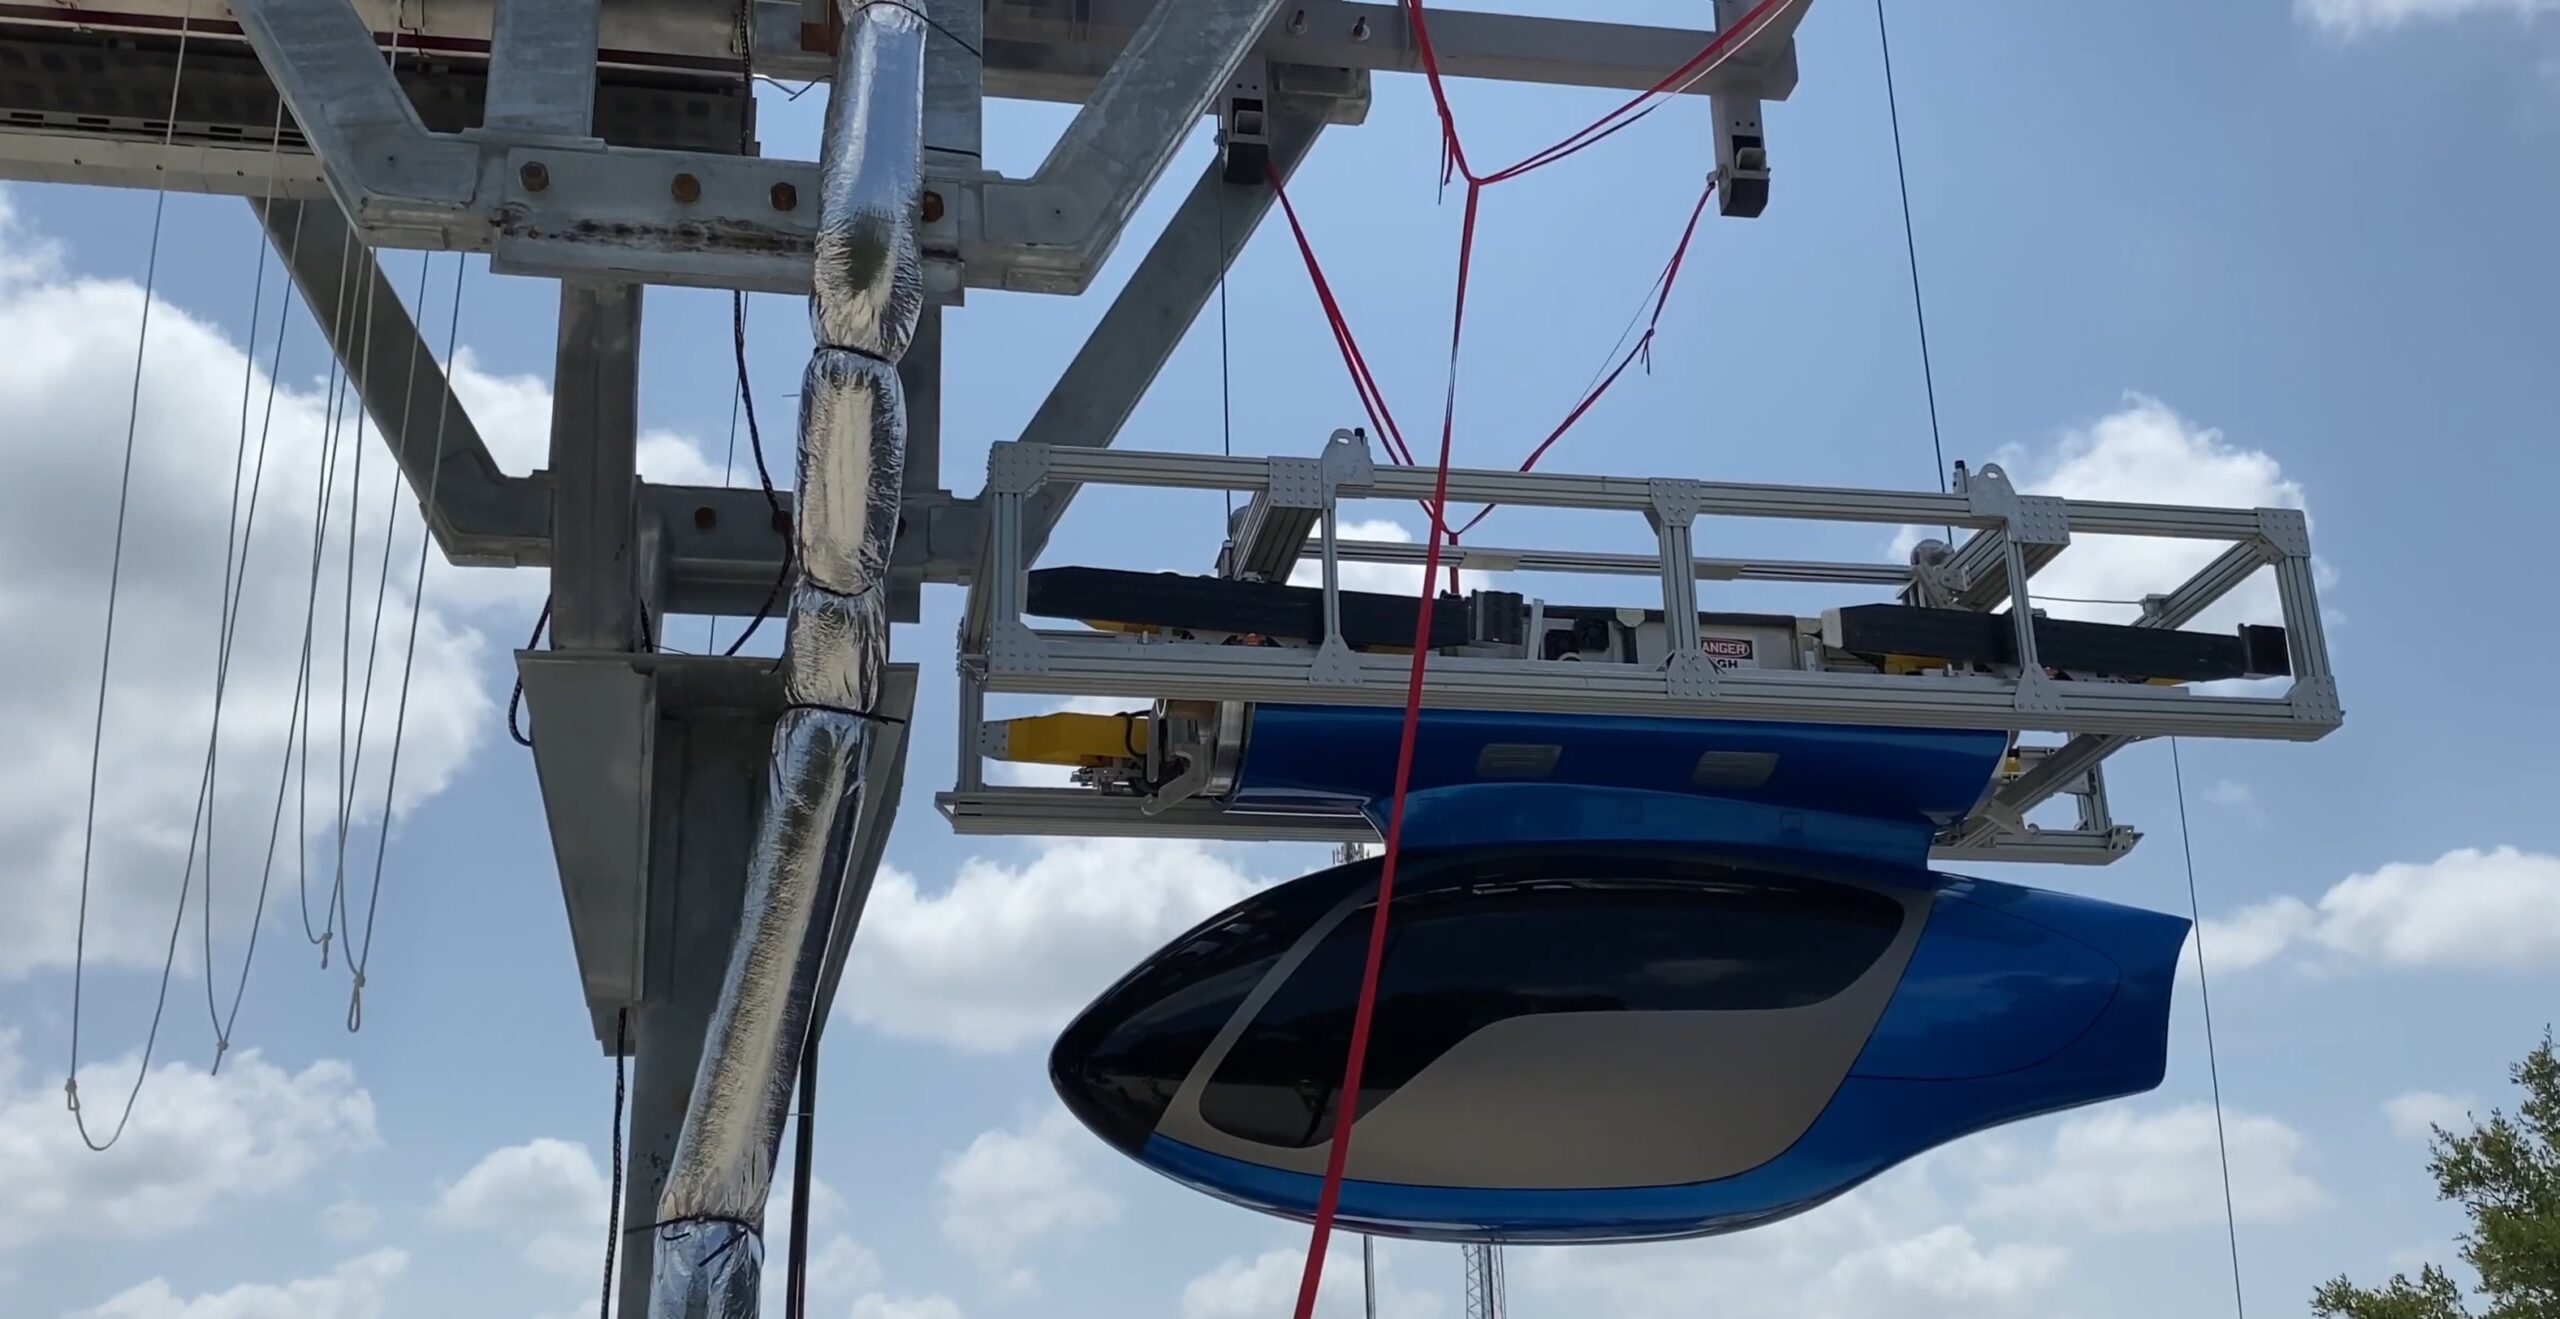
1970, 1041
1876, 793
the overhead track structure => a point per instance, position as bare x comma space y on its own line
610, 145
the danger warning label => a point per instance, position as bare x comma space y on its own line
1726, 652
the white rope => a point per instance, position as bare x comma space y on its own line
360, 954
106, 663
266, 426
332, 435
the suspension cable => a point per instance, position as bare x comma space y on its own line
2212, 1056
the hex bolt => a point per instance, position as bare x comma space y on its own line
534, 176
932, 206
785, 197
687, 189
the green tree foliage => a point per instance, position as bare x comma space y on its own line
2505, 1173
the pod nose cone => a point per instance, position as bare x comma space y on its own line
1117, 1070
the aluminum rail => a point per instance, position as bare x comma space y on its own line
1008, 655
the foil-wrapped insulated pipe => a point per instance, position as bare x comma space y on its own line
853, 428
869, 283
836, 648
868, 295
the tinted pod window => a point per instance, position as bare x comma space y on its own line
1119, 1064
1523, 936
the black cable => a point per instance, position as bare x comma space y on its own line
613, 1206
515, 701
795, 1295
1911, 251
764, 477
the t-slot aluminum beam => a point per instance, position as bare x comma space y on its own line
1120, 359
1016, 658
1083, 813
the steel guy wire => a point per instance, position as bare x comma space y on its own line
106, 663
331, 437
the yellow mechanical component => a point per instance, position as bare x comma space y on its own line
1075, 740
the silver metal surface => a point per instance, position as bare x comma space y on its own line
852, 465
869, 276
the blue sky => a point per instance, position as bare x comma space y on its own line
2226, 253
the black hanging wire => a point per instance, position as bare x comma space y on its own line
795, 1296
738, 344
764, 474
1911, 253
515, 701
613, 1206
2212, 1056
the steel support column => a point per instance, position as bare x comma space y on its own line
595, 436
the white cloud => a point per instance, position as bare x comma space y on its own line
2358, 17
357, 1289
2467, 908
2234, 794
1267, 1285
1007, 954
1386, 578
877, 1306
841, 1267
2418, 1113
349, 1219
1889, 1250
2143, 453
546, 1194
196, 1142
2123, 1170
1014, 1188
548, 1197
